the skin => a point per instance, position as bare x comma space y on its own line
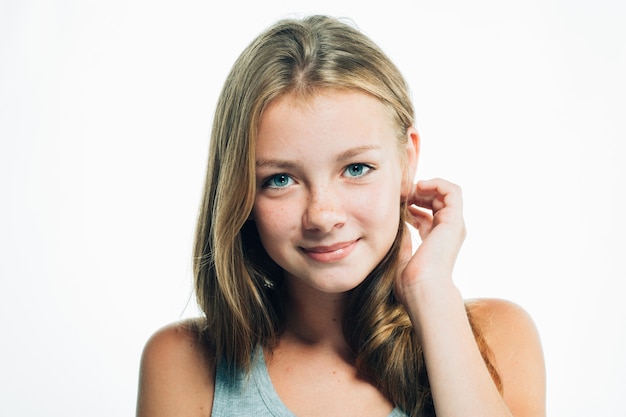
331, 178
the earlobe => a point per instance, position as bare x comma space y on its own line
412, 154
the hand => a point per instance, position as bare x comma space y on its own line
442, 234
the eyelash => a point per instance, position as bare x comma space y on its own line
285, 177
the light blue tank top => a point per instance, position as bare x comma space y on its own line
253, 394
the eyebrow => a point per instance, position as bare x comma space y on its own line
275, 163
345, 155
352, 152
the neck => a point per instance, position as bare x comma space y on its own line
315, 319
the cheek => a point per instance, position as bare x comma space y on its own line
378, 206
272, 219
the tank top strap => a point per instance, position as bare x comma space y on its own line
238, 394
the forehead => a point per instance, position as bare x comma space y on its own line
326, 113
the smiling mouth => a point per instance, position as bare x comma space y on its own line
332, 253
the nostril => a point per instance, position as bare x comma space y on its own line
323, 218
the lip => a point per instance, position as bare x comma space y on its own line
330, 253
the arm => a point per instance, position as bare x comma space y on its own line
460, 382
175, 378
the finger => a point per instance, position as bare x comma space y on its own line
436, 194
420, 220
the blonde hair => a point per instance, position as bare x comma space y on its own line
238, 286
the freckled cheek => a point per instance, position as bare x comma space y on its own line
274, 218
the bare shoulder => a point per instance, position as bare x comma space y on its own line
511, 335
176, 375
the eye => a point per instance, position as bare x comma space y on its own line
357, 170
278, 181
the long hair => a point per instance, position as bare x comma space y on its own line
238, 287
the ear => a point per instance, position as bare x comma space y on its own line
412, 154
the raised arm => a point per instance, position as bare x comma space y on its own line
460, 382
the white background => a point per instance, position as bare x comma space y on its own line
105, 110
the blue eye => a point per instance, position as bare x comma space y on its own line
357, 170
278, 181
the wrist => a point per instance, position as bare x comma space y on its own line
429, 293
431, 304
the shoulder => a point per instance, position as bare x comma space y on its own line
512, 337
491, 313
176, 374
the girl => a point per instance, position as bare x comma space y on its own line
314, 301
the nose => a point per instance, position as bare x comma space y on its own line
324, 211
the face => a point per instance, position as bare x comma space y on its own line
329, 177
